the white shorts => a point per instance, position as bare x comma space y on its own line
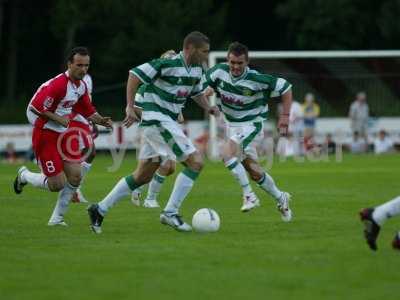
165, 140
246, 136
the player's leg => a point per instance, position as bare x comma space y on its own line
239, 138
183, 185
136, 196
86, 165
72, 172
25, 176
232, 159
374, 218
85, 135
396, 241
166, 168
267, 183
124, 187
49, 160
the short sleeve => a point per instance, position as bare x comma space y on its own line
148, 72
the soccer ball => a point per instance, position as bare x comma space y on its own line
205, 220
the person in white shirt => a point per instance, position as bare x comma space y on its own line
358, 145
296, 127
383, 143
359, 115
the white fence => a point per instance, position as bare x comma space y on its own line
20, 135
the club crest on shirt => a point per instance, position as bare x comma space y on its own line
182, 93
48, 102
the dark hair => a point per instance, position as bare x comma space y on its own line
238, 49
195, 38
77, 50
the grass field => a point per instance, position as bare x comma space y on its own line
320, 255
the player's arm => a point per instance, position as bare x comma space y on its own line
202, 101
85, 107
100, 120
132, 86
283, 122
63, 121
46, 104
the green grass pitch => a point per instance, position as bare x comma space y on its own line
320, 255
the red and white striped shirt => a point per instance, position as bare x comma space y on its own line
59, 95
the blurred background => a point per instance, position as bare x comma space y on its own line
35, 36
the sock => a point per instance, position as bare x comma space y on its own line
124, 187
268, 185
139, 190
38, 180
85, 169
183, 184
64, 196
239, 173
155, 186
387, 210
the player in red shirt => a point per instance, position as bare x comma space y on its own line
55, 143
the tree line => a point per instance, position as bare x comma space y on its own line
35, 35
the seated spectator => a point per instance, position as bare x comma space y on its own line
10, 155
383, 144
358, 144
329, 145
285, 146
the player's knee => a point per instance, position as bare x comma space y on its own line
196, 162
255, 175
75, 179
56, 186
169, 168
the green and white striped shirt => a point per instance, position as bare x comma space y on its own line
244, 98
167, 84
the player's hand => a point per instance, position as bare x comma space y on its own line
209, 92
283, 124
130, 117
181, 119
64, 121
214, 110
106, 122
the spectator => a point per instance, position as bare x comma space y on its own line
329, 145
358, 145
359, 114
296, 127
383, 144
311, 113
10, 154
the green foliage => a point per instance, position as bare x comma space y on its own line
340, 24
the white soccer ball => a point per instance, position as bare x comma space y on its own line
205, 220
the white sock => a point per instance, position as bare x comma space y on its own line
183, 185
268, 185
155, 186
38, 180
85, 169
64, 197
387, 210
139, 190
124, 187
239, 173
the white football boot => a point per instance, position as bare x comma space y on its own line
250, 201
175, 221
150, 203
283, 207
136, 196
57, 221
